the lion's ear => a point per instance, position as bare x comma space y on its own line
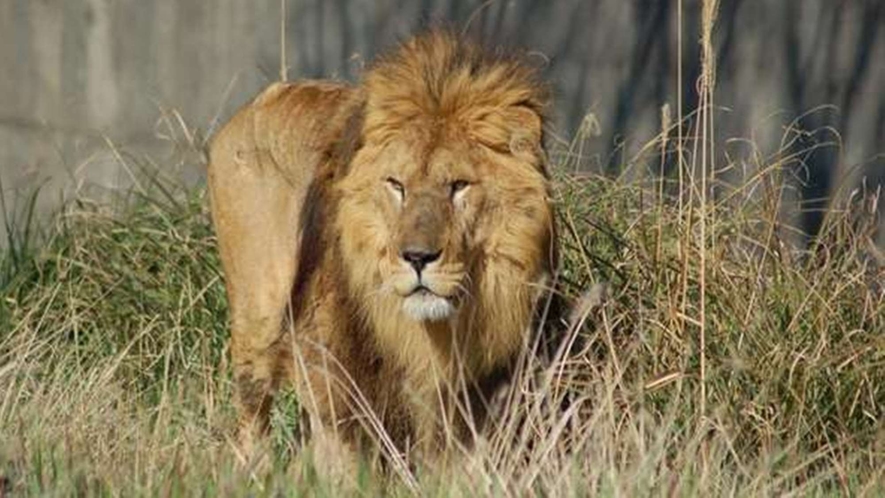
513, 130
526, 135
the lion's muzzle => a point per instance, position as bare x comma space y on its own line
429, 288
428, 293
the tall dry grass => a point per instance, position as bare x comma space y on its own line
724, 361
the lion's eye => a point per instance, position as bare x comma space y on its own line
396, 186
458, 186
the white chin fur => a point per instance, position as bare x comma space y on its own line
422, 306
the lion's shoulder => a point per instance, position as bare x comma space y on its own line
305, 94
292, 110
302, 110
290, 123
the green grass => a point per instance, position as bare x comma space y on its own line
114, 376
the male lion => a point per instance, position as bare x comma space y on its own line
385, 244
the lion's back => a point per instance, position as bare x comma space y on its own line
288, 126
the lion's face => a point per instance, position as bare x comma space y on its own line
424, 219
431, 212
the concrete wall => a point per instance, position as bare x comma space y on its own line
79, 74
76, 75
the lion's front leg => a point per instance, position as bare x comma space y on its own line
255, 214
256, 370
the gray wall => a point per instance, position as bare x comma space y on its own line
76, 75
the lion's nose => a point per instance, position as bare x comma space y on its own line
419, 257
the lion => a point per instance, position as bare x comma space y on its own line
385, 245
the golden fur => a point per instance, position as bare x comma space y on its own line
385, 244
